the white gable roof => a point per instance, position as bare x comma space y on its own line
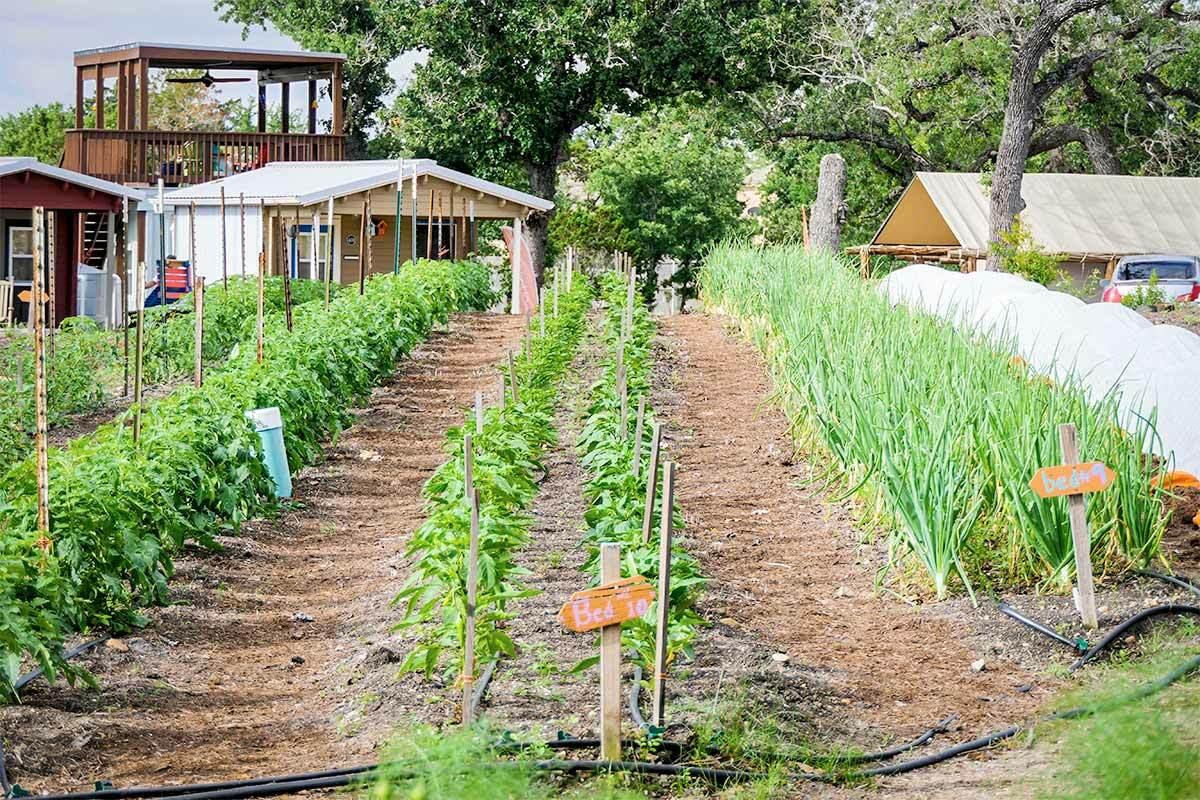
12, 164
306, 183
1072, 213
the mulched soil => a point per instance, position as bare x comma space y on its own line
1185, 316
277, 655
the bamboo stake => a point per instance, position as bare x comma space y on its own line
637, 436
651, 479
610, 663
224, 262
262, 270
39, 378
479, 413
512, 379
664, 596
198, 300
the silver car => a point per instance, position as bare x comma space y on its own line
1178, 278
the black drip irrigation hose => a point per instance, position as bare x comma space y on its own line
1183, 583
481, 688
1078, 645
1117, 632
78, 649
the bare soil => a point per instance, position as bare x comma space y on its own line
1184, 316
277, 655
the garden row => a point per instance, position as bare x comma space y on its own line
937, 431
85, 362
507, 442
617, 446
120, 508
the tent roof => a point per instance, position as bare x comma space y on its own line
305, 183
1065, 213
10, 165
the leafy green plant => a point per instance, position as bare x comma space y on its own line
119, 509
507, 460
1020, 254
1148, 295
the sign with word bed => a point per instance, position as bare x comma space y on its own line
608, 604
1069, 479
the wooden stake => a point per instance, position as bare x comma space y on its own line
287, 282
224, 261
629, 301
512, 379
332, 250
242, 230
362, 250
429, 228
468, 713
610, 664
192, 236
366, 269
39, 378
503, 390
139, 352
1080, 536
262, 270
198, 302
623, 390
637, 436
664, 595
651, 478
479, 413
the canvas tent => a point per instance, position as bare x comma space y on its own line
1087, 219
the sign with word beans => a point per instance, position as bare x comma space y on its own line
608, 604
1069, 479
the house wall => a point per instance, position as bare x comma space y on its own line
207, 255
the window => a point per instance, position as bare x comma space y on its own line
302, 254
444, 236
1167, 269
18, 267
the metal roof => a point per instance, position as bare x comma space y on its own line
200, 56
306, 183
14, 164
1065, 213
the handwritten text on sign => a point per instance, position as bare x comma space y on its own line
1069, 479
610, 604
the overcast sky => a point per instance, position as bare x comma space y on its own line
39, 37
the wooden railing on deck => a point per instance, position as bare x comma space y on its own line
188, 157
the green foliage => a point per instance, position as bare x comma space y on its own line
616, 498
506, 464
661, 184
1148, 295
119, 509
949, 433
1020, 254
38, 131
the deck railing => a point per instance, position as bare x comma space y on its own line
188, 157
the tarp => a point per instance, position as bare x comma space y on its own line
1066, 213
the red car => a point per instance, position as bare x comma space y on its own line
1176, 277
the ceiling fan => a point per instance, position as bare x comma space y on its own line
207, 79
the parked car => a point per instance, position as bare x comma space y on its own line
1177, 277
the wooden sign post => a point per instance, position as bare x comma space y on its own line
198, 301
1073, 480
614, 601
666, 532
651, 478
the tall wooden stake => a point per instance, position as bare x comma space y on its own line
332, 250
623, 389
242, 231
1080, 536
396, 224
651, 478
610, 663
664, 595
362, 249
637, 436
198, 300
512, 379
262, 270
39, 378
503, 390
192, 236
468, 712
139, 352
287, 280
369, 240
224, 260
479, 413
629, 296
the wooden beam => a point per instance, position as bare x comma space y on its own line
262, 108
79, 97
335, 93
144, 92
285, 112
99, 97
312, 106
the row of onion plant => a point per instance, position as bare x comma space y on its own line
938, 431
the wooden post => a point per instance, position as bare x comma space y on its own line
192, 236
516, 265
479, 413
610, 664
198, 302
1080, 536
396, 224
623, 391
332, 250
262, 269
39, 378
224, 259
468, 714
637, 436
362, 248
570, 267
500, 399
512, 379
139, 352
664, 596
864, 261
651, 478
629, 300
287, 279
368, 242
242, 229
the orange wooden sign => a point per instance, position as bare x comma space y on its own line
27, 295
1068, 479
610, 604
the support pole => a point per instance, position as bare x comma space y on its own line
224, 251
651, 479
198, 301
396, 226
664, 596
516, 265
472, 591
287, 278
512, 379
363, 232
39, 378
637, 436
192, 236
623, 391
610, 663
262, 270
1080, 536
242, 230
138, 360
413, 223
332, 250
478, 413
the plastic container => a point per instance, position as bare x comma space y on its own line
268, 422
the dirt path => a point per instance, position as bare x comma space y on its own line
277, 657
788, 566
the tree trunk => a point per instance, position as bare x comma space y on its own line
543, 182
828, 211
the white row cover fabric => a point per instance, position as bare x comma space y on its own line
1078, 213
1105, 346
